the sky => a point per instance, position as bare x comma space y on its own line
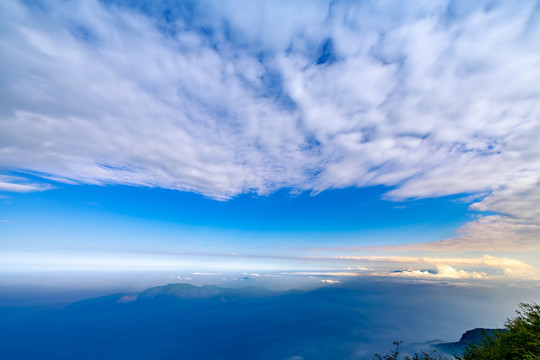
325, 139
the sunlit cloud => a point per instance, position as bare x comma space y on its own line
445, 266
494, 232
442, 272
487, 260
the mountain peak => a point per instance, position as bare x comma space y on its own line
188, 291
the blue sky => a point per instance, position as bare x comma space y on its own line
360, 137
122, 218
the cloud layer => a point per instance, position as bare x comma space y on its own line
485, 267
432, 98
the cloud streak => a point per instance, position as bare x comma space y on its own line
21, 185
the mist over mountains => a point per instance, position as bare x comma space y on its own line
183, 321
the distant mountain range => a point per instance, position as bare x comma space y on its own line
206, 292
182, 321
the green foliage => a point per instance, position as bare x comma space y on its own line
521, 341
394, 355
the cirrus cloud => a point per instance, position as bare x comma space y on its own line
432, 99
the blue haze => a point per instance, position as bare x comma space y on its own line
181, 321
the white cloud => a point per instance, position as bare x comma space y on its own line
443, 272
205, 274
444, 265
328, 281
21, 185
434, 98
